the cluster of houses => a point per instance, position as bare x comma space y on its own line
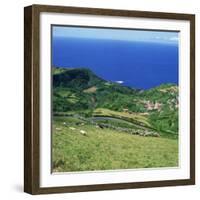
148, 105
153, 106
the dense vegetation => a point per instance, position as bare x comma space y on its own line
82, 91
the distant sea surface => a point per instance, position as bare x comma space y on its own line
141, 65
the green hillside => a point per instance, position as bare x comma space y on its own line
99, 125
80, 91
103, 149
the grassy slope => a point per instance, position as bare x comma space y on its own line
107, 149
79, 92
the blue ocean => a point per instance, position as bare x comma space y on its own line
141, 65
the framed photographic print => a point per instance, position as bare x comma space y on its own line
109, 99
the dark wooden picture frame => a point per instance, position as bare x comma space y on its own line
32, 102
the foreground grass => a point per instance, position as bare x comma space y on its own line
103, 149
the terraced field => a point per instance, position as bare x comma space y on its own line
136, 118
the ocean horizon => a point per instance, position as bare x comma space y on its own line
137, 64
